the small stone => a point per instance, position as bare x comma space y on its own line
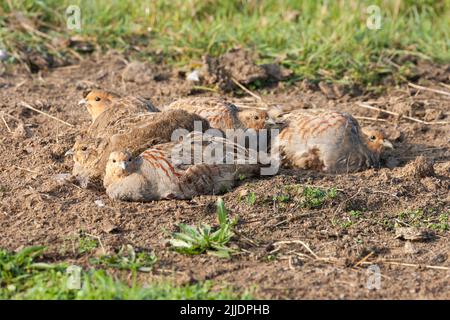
412, 234
194, 76
62, 178
109, 227
433, 115
22, 131
410, 248
99, 203
3, 55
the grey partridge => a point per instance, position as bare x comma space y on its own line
328, 141
97, 101
158, 174
90, 152
224, 115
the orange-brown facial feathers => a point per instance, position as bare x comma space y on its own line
120, 163
98, 101
376, 141
254, 119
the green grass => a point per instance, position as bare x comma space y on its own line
203, 238
426, 218
127, 259
315, 197
86, 244
251, 198
321, 40
22, 277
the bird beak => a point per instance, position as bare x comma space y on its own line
388, 145
82, 102
68, 153
122, 165
270, 121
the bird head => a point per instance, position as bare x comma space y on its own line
376, 141
255, 119
120, 164
97, 101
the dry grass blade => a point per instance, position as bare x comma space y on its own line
254, 95
26, 105
6, 123
415, 86
370, 119
99, 241
367, 106
364, 259
243, 106
300, 242
27, 170
408, 264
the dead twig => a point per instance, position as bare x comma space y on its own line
254, 95
367, 106
99, 241
364, 259
408, 264
370, 119
243, 106
299, 242
387, 193
444, 85
26, 105
428, 89
27, 170
6, 123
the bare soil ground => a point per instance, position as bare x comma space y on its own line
36, 209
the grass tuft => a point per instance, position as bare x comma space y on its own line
319, 40
21, 277
203, 238
127, 259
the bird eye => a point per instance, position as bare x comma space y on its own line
97, 99
256, 118
129, 159
372, 138
114, 161
83, 148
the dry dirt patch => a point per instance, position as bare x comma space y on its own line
339, 237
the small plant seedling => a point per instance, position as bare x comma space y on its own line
86, 244
282, 198
356, 214
315, 197
128, 259
442, 224
203, 238
251, 199
342, 223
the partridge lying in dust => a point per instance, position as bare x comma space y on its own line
328, 141
90, 152
224, 115
97, 101
156, 174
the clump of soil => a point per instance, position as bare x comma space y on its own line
238, 65
421, 167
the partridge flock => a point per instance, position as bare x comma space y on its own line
129, 145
